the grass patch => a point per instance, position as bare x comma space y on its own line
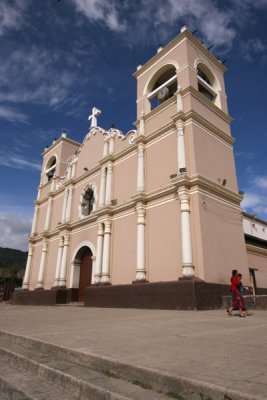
174, 395
142, 384
111, 374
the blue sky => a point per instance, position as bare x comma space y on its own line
61, 58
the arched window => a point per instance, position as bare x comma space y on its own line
87, 203
206, 82
51, 168
164, 87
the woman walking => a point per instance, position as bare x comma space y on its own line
237, 298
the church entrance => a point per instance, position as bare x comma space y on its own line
85, 272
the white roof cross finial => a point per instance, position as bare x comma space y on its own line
93, 117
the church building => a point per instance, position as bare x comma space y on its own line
150, 218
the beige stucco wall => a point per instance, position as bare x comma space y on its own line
125, 178
161, 160
123, 248
163, 244
222, 240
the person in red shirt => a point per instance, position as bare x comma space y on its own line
237, 298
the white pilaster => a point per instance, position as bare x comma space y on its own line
140, 261
102, 193
142, 125
34, 222
69, 204
187, 262
105, 276
63, 269
179, 100
53, 184
109, 185
140, 169
28, 269
106, 146
59, 261
73, 169
69, 172
111, 144
65, 201
93, 268
39, 192
48, 214
40, 282
180, 148
99, 253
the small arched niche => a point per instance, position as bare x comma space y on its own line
51, 168
207, 85
162, 86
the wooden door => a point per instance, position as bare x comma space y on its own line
85, 273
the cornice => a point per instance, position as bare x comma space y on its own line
173, 43
195, 93
256, 250
213, 130
60, 140
202, 182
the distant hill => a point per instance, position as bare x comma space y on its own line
13, 259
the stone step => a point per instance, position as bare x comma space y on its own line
41, 374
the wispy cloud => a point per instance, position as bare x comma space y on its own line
13, 115
254, 49
17, 161
103, 11
11, 15
255, 199
14, 231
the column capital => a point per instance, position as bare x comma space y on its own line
100, 229
141, 147
45, 247
66, 240
61, 241
180, 127
107, 225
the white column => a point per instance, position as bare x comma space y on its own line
99, 253
48, 214
142, 125
34, 222
40, 282
69, 204
106, 146
63, 218
140, 169
105, 276
59, 261
180, 148
179, 100
28, 269
187, 262
109, 185
63, 269
102, 193
140, 261
73, 169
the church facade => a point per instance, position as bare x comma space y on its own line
150, 218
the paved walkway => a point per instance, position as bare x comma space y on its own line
208, 346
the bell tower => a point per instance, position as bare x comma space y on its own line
181, 93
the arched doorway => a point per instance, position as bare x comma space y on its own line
84, 256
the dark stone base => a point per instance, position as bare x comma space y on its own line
258, 302
45, 297
186, 294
